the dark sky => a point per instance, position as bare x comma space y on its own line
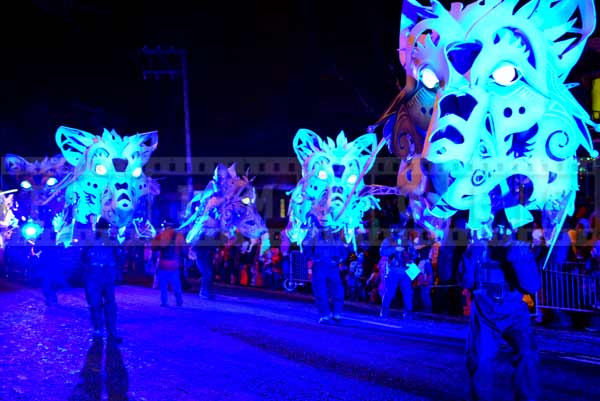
259, 70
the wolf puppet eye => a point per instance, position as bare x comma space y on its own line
100, 169
505, 75
429, 78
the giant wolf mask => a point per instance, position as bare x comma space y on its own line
37, 181
108, 178
227, 205
505, 129
332, 194
405, 124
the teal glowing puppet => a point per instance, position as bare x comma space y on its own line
504, 128
36, 182
226, 206
108, 181
8, 220
332, 195
405, 123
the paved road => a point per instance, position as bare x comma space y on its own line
253, 345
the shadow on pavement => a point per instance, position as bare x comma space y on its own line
91, 382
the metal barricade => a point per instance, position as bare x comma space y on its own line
570, 287
298, 272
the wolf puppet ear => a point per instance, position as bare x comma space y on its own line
306, 143
567, 24
15, 165
73, 143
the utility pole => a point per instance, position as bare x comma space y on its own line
164, 67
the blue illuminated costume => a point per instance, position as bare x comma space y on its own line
45, 257
399, 252
502, 141
499, 273
34, 206
226, 206
100, 262
8, 221
327, 251
37, 199
328, 204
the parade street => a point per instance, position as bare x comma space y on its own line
250, 344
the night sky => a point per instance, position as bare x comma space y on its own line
259, 70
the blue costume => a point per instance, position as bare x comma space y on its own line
498, 275
100, 271
203, 261
51, 271
327, 251
399, 251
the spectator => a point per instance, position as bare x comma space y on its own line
267, 269
424, 280
448, 294
277, 270
374, 285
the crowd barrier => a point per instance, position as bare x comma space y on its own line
569, 287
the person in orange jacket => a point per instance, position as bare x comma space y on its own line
170, 246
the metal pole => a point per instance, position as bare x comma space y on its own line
172, 71
188, 133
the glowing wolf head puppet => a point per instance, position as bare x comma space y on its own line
37, 181
331, 194
227, 205
505, 129
405, 123
108, 178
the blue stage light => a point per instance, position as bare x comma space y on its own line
31, 230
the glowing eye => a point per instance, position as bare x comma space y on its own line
25, 184
246, 200
352, 179
136, 172
429, 78
322, 174
100, 169
51, 181
505, 75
